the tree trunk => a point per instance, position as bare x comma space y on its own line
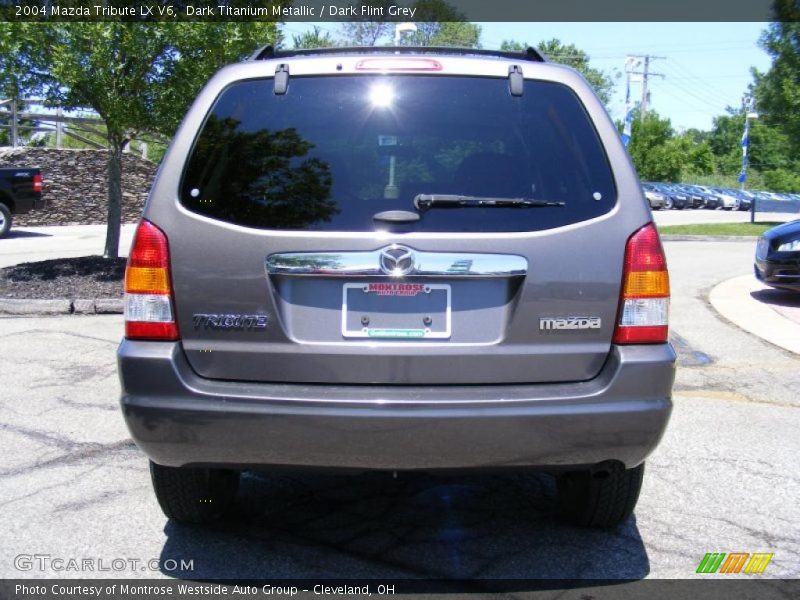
113, 223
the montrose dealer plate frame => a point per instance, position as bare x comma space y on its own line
364, 317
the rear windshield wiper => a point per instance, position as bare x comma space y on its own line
425, 201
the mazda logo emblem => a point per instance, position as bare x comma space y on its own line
397, 260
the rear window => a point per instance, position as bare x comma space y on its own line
334, 151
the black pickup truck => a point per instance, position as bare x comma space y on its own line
20, 192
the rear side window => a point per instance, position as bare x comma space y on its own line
335, 150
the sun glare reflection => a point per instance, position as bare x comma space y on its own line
381, 95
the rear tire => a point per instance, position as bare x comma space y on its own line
5, 219
668, 204
194, 495
601, 498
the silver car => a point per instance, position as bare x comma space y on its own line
397, 259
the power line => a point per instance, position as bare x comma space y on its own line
685, 91
696, 91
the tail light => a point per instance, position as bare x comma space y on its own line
149, 313
37, 183
644, 302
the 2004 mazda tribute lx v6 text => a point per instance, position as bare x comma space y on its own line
397, 259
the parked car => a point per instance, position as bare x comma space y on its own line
456, 269
656, 199
695, 198
729, 200
778, 256
710, 200
20, 193
679, 199
672, 199
745, 199
776, 196
760, 196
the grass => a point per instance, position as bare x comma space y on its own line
741, 229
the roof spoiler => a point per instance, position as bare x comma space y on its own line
270, 52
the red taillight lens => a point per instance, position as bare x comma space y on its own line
148, 290
644, 301
37, 184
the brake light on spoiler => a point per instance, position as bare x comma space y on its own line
398, 64
149, 313
644, 301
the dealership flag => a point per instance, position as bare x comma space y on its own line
746, 137
745, 147
626, 130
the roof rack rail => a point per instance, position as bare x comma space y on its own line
269, 52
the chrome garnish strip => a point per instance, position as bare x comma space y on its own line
369, 264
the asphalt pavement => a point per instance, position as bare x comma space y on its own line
689, 217
725, 478
30, 244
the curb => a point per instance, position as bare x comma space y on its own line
60, 306
733, 301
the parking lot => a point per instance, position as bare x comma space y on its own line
723, 480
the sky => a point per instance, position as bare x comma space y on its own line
706, 66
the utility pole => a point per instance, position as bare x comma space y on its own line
646, 75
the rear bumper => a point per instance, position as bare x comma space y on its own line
178, 418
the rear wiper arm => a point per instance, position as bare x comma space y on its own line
425, 201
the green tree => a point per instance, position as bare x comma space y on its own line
654, 151
440, 24
137, 76
782, 180
316, 38
697, 155
572, 56
778, 90
437, 22
362, 31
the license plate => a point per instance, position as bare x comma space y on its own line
389, 310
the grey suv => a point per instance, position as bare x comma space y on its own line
397, 259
